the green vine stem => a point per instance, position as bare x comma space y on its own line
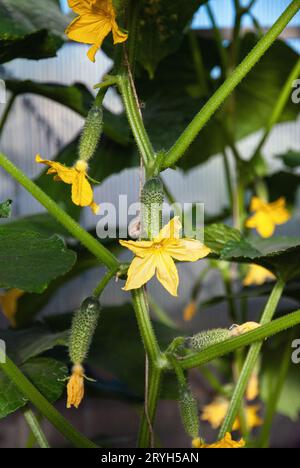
250, 362
191, 132
44, 407
226, 347
274, 395
156, 362
279, 107
35, 428
145, 437
136, 122
141, 308
94, 246
104, 282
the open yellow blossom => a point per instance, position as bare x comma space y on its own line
75, 387
238, 330
190, 311
226, 443
267, 216
252, 391
257, 275
156, 257
95, 20
9, 304
215, 414
82, 193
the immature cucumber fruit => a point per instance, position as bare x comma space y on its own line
152, 200
91, 134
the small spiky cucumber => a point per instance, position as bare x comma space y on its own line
152, 200
208, 338
91, 133
189, 411
83, 328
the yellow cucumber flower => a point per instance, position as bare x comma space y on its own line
96, 19
9, 304
216, 412
190, 311
75, 387
267, 216
156, 257
257, 275
238, 330
82, 193
252, 391
226, 443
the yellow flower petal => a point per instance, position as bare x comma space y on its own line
187, 250
190, 311
215, 413
66, 174
245, 328
167, 273
139, 248
257, 275
82, 193
80, 6
226, 443
170, 232
253, 420
140, 272
252, 391
75, 387
9, 304
267, 215
279, 213
96, 20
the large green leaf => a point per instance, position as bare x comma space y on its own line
30, 29
175, 85
46, 374
161, 28
291, 159
283, 184
78, 98
5, 209
29, 343
30, 261
280, 255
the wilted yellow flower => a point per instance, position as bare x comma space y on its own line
252, 391
75, 387
267, 216
239, 330
257, 275
82, 193
156, 257
97, 18
190, 311
226, 443
215, 414
9, 304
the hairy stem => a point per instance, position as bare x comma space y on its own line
44, 407
35, 428
250, 362
94, 246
